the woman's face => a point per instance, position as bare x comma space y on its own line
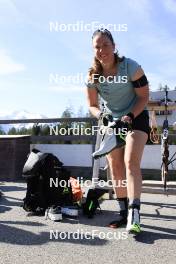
103, 49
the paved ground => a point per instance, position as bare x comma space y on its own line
25, 239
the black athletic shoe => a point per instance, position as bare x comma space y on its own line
92, 203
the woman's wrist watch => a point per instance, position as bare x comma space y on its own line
131, 115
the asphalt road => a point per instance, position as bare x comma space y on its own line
30, 239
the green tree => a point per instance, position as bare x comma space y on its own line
23, 131
45, 130
36, 130
68, 112
13, 131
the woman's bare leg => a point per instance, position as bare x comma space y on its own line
135, 142
117, 169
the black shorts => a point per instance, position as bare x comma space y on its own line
141, 122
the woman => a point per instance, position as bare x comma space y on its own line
125, 95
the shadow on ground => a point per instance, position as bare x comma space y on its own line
17, 236
7, 203
149, 237
9, 188
11, 232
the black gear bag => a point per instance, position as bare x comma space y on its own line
47, 182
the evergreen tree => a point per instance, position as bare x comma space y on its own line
13, 131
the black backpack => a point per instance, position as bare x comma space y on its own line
47, 182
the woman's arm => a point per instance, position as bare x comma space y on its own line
92, 98
142, 94
142, 97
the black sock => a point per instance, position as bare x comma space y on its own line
122, 218
134, 203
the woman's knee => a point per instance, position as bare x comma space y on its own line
132, 165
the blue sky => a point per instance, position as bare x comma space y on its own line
30, 52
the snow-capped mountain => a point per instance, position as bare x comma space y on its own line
21, 114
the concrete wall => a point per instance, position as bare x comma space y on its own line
80, 155
70, 155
